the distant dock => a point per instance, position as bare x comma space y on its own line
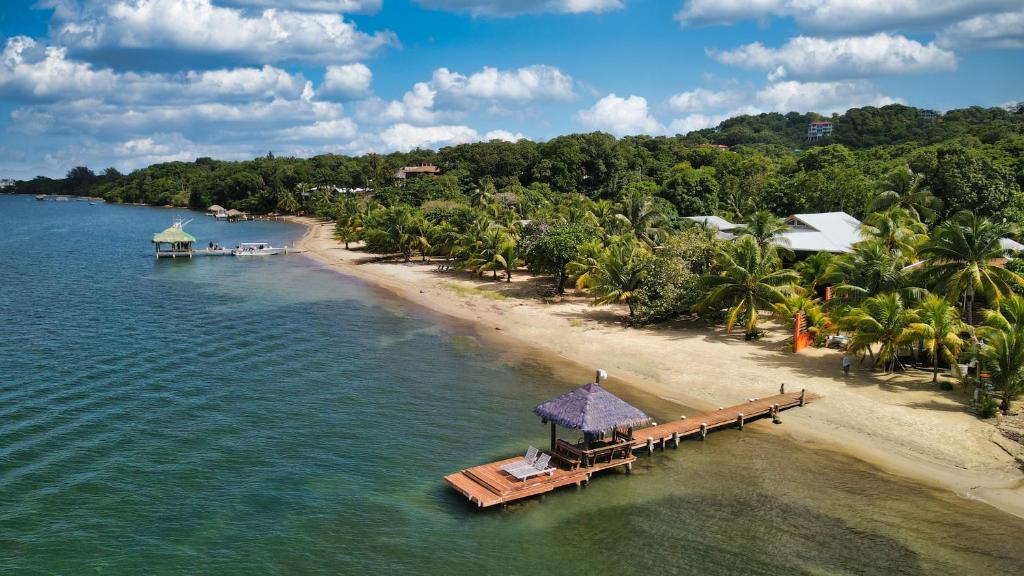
489, 485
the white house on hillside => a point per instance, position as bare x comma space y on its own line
834, 232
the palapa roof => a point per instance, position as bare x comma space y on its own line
215, 208
590, 408
234, 212
173, 235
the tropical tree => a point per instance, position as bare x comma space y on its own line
746, 280
882, 320
555, 248
509, 258
871, 268
962, 257
938, 325
767, 228
1003, 354
897, 229
618, 275
815, 271
638, 213
907, 190
1002, 349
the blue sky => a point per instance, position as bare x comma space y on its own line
127, 83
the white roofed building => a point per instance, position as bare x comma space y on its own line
834, 232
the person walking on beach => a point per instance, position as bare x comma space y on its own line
846, 365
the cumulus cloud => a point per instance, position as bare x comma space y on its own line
822, 97
405, 137
200, 27
346, 82
30, 71
341, 6
620, 116
846, 15
538, 82
1002, 30
858, 56
707, 108
339, 129
704, 99
504, 135
516, 7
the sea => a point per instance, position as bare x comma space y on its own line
250, 416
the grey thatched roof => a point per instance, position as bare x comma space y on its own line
590, 408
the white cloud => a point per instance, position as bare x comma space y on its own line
707, 108
337, 129
346, 82
538, 82
416, 105
516, 7
620, 116
407, 137
822, 97
858, 56
34, 72
1003, 30
849, 15
703, 99
504, 135
198, 26
340, 6
693, 122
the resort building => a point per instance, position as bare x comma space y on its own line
417, 171
929, 115
834, 232
818, 130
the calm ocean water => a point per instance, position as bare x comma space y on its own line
227, 416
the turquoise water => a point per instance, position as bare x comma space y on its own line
266, 416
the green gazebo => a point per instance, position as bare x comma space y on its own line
173, 242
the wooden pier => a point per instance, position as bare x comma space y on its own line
487, 485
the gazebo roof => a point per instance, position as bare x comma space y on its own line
215, 208
590, 408
234, 212
172, 235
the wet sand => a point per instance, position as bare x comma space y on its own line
900, 423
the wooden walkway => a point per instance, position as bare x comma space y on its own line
487, 485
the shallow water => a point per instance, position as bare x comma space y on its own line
229, 416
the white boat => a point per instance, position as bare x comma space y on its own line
257, 249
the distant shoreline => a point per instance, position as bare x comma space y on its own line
875, 418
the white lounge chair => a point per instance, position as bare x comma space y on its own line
531, 457
536, 469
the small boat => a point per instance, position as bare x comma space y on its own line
41, 197
257, 249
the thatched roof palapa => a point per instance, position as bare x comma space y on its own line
173, 235
215, 208
592, 409
234, 213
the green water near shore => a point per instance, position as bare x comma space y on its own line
230, 416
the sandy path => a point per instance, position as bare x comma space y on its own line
900, 423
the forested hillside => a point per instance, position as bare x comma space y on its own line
971, 158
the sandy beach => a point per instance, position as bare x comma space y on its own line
900, 423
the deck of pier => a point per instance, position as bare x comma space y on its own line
487, 485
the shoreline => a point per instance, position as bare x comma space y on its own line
893, 422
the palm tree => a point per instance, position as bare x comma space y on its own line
488, 249
799, 302
618, 274
906, 190
815, 271
896, 228
881, 319
641, 217
871, 268
962, 257
938, 324
1003, 354
747, 279
509, 258
764, 227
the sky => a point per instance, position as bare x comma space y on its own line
129, 83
